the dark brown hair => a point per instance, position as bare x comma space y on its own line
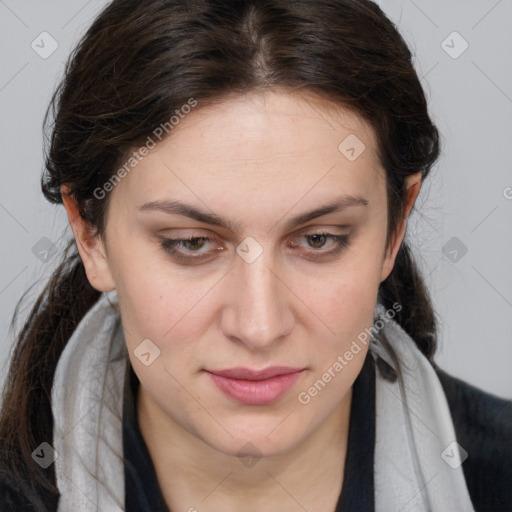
141, 61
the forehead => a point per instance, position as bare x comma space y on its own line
268, 147
267, 124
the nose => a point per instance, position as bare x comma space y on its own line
258, 313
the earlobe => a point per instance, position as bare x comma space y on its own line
412, 186
90, 247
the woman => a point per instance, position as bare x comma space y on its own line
238, 323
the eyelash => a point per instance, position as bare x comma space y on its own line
169, 245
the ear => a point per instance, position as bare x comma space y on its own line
91, 248
413, 186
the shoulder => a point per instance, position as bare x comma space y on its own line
483, 427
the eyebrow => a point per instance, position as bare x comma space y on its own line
186, 210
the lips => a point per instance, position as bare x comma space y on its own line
248, 374
255, 387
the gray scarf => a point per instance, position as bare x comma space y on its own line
417, 461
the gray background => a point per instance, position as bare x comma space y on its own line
466, 205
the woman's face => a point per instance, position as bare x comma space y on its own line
264, 282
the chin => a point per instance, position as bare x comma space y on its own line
251, 441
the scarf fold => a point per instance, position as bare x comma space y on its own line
416, 463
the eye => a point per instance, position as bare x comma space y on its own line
187, 249
318, 241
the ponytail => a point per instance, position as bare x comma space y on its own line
26, 415
405, 286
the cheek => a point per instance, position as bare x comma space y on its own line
346, 307
346, 311
345, 302
157, 304
168, 313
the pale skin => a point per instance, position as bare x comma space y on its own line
257, 160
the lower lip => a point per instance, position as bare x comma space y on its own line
256, 392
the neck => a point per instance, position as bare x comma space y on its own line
191, 472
